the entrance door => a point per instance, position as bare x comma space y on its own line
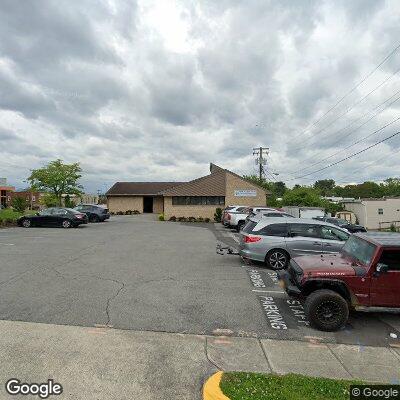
148, 204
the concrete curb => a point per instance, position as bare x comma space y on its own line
211, 389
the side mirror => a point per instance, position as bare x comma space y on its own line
381, 268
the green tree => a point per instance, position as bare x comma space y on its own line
391, 187
279, 188
302, 196
19, 204
325, 186
49, 200
57, 178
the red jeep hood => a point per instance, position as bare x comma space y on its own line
327, 265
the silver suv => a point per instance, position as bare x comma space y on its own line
276, 240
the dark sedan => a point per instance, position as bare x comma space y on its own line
55, 216
94, 212
342, 223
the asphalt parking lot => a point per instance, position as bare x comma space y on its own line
136, 273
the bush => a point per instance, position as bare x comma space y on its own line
19, 204
161, 217
207, 220
393, 228
173, 218
200, 219
128, 212
191, 219
135, 212
49, 200
8, 217
182, 219
112, 213
120, 213
218, 214
68, 202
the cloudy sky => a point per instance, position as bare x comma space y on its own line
155, 90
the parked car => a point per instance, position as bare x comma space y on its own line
364, 276
230, 209
95, 213
55, 216
276, 240
269, 214
236, 218
342, 223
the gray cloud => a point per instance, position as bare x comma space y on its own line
138, 90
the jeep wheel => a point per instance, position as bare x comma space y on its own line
277, 259
326, 310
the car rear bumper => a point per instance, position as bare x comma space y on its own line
251, 255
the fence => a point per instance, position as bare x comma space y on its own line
388, 225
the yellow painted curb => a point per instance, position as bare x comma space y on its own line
211, 389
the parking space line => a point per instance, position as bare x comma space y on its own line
6, 244
233, 237
267, 291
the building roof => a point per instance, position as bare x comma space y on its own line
213, 184
382, 238
210, 185
139, 188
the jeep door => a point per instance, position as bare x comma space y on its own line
304, 239
333, 239
385, 286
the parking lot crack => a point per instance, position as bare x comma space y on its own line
112, 298
207, 356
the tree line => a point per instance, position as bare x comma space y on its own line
311, 196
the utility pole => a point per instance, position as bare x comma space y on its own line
260, 160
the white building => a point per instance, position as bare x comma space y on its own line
375, 213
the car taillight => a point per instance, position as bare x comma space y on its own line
251, 239
228, 216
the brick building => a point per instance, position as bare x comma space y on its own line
5, 192
32, 198
197, 198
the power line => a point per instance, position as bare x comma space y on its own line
353, 144
354, 130
352, 107
351, 90
348, 157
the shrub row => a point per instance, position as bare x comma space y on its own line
188, 219
128, 212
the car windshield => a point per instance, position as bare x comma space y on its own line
359, 249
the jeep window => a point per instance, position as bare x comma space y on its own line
330, 233
359, 249
274, 230
391, 258
305, 230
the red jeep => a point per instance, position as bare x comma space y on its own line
365, 275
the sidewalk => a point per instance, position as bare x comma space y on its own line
103, 363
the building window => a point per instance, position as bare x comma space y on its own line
380, 211
198, 200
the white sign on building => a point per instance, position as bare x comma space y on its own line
245, 193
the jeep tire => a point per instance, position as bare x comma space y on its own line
326, 310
